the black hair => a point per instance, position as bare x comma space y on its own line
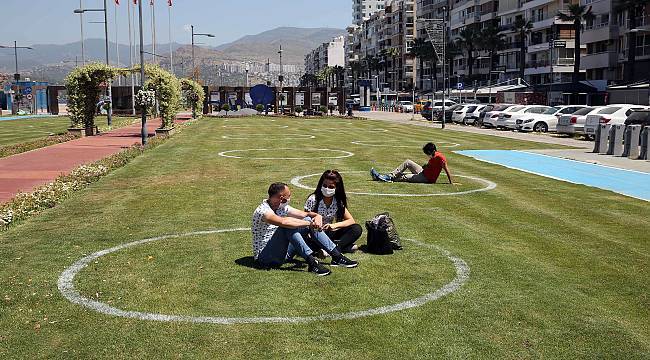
276, 188
340, 196
429, 148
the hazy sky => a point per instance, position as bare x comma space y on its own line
53, 21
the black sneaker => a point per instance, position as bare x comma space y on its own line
319, 269
345, 262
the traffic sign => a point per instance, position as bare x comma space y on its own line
29, 96
560, 44
27, 90
460, 86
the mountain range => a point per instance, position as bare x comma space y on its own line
51, 62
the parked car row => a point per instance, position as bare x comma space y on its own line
570, 119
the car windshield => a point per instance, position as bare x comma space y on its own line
407, 103
609, 110
584, 111
516, 108
471, 108
550, 111
501, 107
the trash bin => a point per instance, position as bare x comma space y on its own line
602, 135
631, 141
616, 140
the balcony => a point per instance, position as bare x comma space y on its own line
599, 60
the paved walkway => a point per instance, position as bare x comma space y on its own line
403, 118
582, 151
23, 172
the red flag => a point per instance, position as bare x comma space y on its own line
135, 2
117, 2
151, 2
169, 2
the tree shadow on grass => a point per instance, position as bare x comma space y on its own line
249, 262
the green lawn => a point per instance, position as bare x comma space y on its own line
556, 270
22, 130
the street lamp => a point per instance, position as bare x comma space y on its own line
193, 35
110, 83
281, 78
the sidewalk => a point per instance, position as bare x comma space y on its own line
582, 151
403, 118
23, 172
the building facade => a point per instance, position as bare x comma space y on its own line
329, 54
363, 9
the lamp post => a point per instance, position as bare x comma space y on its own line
281, 78
109, 113
16, 74
143, 131
193, 61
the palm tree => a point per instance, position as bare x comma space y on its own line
468, 41
394, 53
634, 9
337, 73
356, 68
492, 41
522, 27
577, 14
423, 51
451, 51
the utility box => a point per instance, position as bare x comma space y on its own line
602, 135
616, 140
631, 142
645, 143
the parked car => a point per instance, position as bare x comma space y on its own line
406, 106
437, 104
508, 119
640, 117
472, 113
575, 123
490, 117
612, 114
546, 121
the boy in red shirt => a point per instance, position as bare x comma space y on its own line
427, 174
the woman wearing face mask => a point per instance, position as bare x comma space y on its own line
329, 201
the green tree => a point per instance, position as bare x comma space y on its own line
423, 51
492, 41
522, 27
634, 10
84, 86
577, 14
468, 42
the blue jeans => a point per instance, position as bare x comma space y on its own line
286, 242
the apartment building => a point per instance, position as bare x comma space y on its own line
381, 45
363, 9
544, 64
328, 54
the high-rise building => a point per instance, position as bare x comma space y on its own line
363, 9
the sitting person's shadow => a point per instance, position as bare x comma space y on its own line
249, 262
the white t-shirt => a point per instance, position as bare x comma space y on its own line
263, 231
327, 212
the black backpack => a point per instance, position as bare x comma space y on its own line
382, 235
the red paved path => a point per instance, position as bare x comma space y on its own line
24, 172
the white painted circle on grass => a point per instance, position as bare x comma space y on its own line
344, 154
65, 285
262, 136
254, 126
382, 143
489, 185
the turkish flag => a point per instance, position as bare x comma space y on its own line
135, 2
169, 2
117, 2
151, 2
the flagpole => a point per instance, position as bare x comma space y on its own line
171, 54
117, 46
128, 9
153, 30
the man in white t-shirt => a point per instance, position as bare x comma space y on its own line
277, 226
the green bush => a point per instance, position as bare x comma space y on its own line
259, 108
193, 95
323, 109
299, 109
168, 93
35, 144
226, 108
84, 89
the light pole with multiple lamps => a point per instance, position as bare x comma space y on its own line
193, 61
109, 85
